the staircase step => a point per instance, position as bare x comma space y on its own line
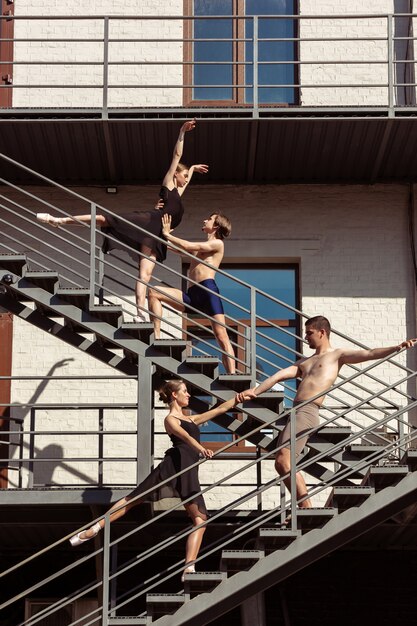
233, 561
44, 280
206, 365
142, 332
14, 263
109, 314
364, 450
174, 348
159, 604
344, 498
307, 519
410, 459
385, 476
334, 434
237, 382
128, 621
272, 400
202, 582
276, 538
78, 297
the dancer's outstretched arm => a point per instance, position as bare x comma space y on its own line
218, 410
178, 150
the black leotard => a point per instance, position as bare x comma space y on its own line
148, 220
177, 458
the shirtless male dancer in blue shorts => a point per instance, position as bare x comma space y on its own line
216, 227
317, 372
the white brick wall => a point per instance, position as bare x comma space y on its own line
161, 85
355, 268
121, 77
336, 74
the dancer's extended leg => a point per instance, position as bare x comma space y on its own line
194, 540
171, 296
91, 532
222, 338
145, 274
283, 466
46, 218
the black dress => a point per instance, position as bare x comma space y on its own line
177, 458
148, 220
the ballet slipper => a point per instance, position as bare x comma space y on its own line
188, 570
77, 540
45, 218
139, 318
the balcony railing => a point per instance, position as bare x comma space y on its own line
118, 65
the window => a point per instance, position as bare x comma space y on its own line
222, 52
277, 326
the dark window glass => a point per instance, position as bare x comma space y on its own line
230, 63
276, 345
271, 51
213, 51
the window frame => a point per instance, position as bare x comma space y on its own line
238, 71
189, 324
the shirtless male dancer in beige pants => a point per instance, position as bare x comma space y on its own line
317, 372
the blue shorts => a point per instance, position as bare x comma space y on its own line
208, 303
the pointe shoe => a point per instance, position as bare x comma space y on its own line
45, 218
188, 570
139, 318
77, 540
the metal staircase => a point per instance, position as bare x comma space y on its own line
360, 460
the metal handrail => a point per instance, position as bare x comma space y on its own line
246, 527
270, 423
106, 43
238, 281
356, 435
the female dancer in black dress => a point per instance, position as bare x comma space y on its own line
174, 184
185, 451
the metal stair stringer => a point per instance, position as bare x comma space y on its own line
304, 551
41, 320
51, 302
23, 288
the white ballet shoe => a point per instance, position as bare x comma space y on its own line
139, 318
45, 218
188, 570
77, 540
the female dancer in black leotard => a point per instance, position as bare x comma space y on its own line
185, 451
174, 184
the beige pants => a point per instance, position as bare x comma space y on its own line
306, 418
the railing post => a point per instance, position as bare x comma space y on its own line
100, 276
31, 447
100, 446
105, 111
255, 67
258, 479
144, 418
93, 254
282, 501
293, 471
401, 434
390, 65
106, 571
253, 336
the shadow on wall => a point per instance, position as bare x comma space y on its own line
42, 470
